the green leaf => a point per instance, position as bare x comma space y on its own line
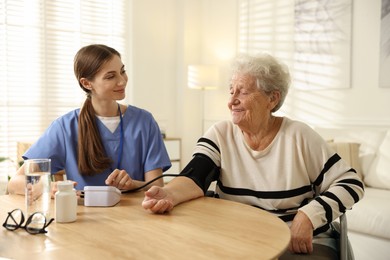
2, 159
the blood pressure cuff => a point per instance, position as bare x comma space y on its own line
202, 170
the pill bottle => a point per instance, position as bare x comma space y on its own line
65, 202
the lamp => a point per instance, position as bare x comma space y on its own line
203, 77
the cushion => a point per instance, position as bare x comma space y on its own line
350, 153
369, 140
369, 143
379, 173
371, 215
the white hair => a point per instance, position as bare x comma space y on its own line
270, 74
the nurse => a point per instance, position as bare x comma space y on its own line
104, 142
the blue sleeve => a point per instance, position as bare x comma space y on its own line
156, 155
49, 145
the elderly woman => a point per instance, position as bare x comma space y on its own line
271, 162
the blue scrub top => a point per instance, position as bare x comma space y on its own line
143, 147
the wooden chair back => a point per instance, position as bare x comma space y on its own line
22, 147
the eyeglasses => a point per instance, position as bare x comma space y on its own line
36, 223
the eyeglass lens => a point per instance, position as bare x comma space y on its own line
14, 220
35, 224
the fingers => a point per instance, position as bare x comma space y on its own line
54, 189
157, 201
157, 206
152, 192
119, 179
162, 206
309, 247
301, 234
149, 203
301, 247
29, 194
112, 177
124, 183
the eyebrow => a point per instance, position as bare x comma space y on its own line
113, 71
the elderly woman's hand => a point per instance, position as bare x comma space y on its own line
301, 234
157, 200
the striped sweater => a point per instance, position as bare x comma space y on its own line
297, 171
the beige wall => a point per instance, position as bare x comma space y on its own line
167, 35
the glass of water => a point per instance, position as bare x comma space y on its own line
38, 187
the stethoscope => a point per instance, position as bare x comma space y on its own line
121, 139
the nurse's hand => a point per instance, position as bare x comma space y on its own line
120, 179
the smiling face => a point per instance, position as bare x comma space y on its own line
110, 82
248, 105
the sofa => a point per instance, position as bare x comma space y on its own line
368, 151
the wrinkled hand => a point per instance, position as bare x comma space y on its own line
157, 200
301, 234
119, 179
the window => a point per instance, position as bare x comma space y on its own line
313, 37
266, 26
38, 40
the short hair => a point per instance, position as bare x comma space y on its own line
270, 73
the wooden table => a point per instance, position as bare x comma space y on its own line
205, 228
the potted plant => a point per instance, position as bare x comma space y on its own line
2, 159
2, 187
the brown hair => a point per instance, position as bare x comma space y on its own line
92, 158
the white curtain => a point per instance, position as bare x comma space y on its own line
38, 41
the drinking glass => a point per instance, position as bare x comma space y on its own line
38, 193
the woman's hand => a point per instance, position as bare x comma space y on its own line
157, 200
120, 179
301, 234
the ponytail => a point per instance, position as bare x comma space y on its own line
92, 158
